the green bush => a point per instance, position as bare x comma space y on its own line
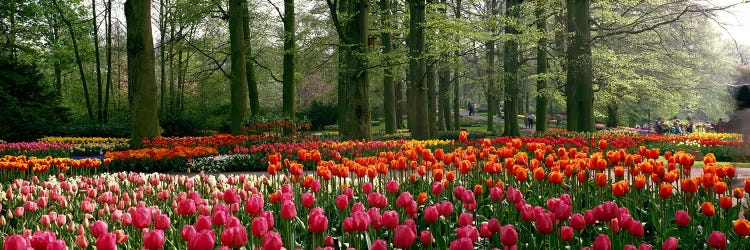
180, 126
468, 122
86, 128
320, 115
30, 108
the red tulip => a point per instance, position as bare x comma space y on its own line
187, 232
259, 226
57, 245
41, 239
577, 222
426, 238
379, 245
602, 243
403, 237
14, 242
269, 219
254, 205
446, 208
328, 241
272, 241
629, 247
203, 240
494, 225
742, 227
231, 196
342, 202
717, 240
390, 219
465, 219
484, 230
162, 222
636, 229
106, 241
202, 223
644, 247
462, 244
392, 186
566, 233
707, 208
288, 210
431, 214
98, 228
508, 235
317, 220
219, 218
308, 199
153, 240
234, 237
682, 218
186, 207
544, 223
142, 217
437, 188
670, 244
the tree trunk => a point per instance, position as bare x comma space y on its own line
358, 103
108, 87
444, 78
99, 89
239, 76
252, 81
431, 78
78, 60
456, 79
579, 83
389, 92
141, 73
612, 115
417, 84
289, 94
490, 94
162, 58
341, 85
399, 99
541, 69
511, 64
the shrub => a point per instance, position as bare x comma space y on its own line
321, 115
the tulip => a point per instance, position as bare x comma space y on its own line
81, 241
462, 244
308, 200
602, 242
742, 227
44, 221
98, 228
707, 208
366, 187
153, 240
142, 217
390, 219
465, 219
288, 210
272, 241
187, 232
13, 242
437, 188
717, 240
379, 245
162, 222
392, 186
342, 202
57, 245
219, 218
566, 233
577, 222
636, 229
670, 244
41, 239
259, 226
431, 214
317, 221
544, 223
186, 207
644, 247
203, 240
234, 237
508, 235
106, 241
426, 238
202, 223
682, 218
403, 237
254, 205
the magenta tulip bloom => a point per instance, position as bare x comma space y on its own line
142, 217
288, 210
717, 240
403, 237
234, 237
98, 228
203, 240
272, 241
259, 226
106, 241
186, 207
153, 240
14, 242
602, 242
162, 222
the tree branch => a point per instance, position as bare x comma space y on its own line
219, 64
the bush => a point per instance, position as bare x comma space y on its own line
321, 115
180, 126
30, 108
468, 122
86, 128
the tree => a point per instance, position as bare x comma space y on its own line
289, 94
99, 87
252, 79
141, 72
511, 65
417, 88
389, 90
239, 77
78, 59
579, 84
357, 89
456, 79
541, 67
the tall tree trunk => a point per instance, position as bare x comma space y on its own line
417, 84
358, 103
67, 22
490, 91
12, 31
389, 91
239, 76
541, 68
511, 64
341, 88
108, 87
431, 78
289, 94
400, 103
179, 99
141, 73
162, 58
579, 88
456, 78
252, 81
612, 114
444, 79
99, 88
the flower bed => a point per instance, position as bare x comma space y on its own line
156, 159
520, 194
38, 149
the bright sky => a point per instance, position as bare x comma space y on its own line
736, 20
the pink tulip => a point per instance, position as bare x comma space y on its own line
142, 217
308, 200
544, 223
44, 221
437, 188
288, 210
404, 200
162, 222
392, 186
682, 218
18, 212
670, 244
231, 196
496, 194
186, 207
717, 240
403, 237
577, 222
218, 218
566, 233
203, 240
106, 241
465, 219
234, 237
98, 228
202, 223
41, 239
431, 214
153, 240
14, 242
390, 219
379, 245
426, 238
259, 226
342, 202
602, 242
462, 244
446, 208
187, 232
81, 241
366, 187
508, 235
272, 241
317, 220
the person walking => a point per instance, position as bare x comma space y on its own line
471, 109
739, 121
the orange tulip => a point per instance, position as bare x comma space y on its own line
451, 175
640, 182
539, 174
665, 190
738, 193
720, 187
725, 202
689, 185
601, 179
555, 177
742, 227
619, 188
619, 171
707, 208
478, 189
422, 198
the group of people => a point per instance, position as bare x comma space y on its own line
529, 120
675, 126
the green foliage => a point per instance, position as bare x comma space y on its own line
87, 128
320, 115
30, 109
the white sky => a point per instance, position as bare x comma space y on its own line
736, 20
